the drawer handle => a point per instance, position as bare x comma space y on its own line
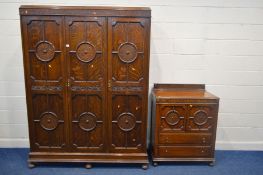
166, 150
190, 106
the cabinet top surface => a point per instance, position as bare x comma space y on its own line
27, 10
82, 7
181, 91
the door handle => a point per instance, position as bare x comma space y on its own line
109, 83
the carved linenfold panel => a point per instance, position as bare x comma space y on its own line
86, 88
47, 88
127, 88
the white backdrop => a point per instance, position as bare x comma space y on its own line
216, 42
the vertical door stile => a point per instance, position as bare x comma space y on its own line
108, 80
105, 84
65, 83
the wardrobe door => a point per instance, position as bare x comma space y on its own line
127, 83
45, 82
86, 60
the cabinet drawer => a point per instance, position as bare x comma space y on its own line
184, 151
185, 138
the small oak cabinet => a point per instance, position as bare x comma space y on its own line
184, 122
86, 73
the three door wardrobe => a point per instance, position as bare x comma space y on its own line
86, 74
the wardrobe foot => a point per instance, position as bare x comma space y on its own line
31, 165
212, 163
145, 166
155, 163
88, 166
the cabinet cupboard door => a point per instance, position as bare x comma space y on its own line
45, 80
127, 83
86, 56
201, 117
172, 118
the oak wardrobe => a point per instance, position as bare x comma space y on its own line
86, 74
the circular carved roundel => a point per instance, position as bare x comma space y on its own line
126, 121
87, 121
172, 118
200, 117
48, 121
45, 51
86, 52
127, 52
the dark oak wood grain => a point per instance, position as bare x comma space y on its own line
86, 73
184, 122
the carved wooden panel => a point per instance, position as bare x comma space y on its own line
44, 48
86, 56
86, 49
127, 38
87, 119
126, 132
201, 117
49, 126
172, 118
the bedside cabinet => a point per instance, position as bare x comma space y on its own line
184, 122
